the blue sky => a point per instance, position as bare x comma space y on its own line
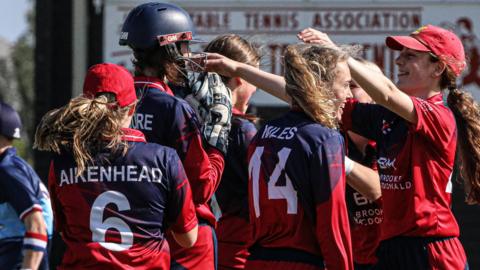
12, 18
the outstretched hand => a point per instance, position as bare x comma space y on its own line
222, 65
310, 35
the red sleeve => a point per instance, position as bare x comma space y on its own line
204, 169
187, 219
58, 217
332, 228
435, 122
181, 215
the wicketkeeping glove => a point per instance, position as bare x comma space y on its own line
212, 101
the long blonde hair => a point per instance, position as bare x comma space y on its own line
310, 71
83, 127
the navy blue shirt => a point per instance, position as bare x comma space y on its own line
232, 193
121, 206
297, 189
171, 121
20, 194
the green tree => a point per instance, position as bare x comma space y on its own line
17, 85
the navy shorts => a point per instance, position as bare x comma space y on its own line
422, 253
262, 258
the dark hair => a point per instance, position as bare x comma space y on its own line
161, 62
467, 118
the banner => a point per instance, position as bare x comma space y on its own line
274, 24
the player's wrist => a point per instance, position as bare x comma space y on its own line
349, 165
241, 69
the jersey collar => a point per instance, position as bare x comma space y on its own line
152, 82
436, 99
133, 135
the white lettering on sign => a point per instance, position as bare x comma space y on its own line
335, 20
275, 26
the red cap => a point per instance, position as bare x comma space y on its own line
110, 78
441, 42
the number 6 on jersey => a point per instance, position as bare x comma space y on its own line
286, 192
99, 227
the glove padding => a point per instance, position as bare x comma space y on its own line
212, 101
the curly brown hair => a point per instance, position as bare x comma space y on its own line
159, 61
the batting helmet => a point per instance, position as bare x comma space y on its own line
152, 24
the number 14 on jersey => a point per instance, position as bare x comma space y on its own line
286, 192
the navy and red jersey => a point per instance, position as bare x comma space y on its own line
297, 190
171, 121
365, 215
415, 163
116, 212
233, 228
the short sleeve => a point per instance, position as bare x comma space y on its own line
181, 214
435, 121
21, 190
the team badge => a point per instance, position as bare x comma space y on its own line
386, 127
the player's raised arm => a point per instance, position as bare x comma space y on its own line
417, 140
382, 90
271, 83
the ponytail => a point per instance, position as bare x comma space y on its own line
83, 127
467, 116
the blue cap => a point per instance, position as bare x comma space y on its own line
10, 123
